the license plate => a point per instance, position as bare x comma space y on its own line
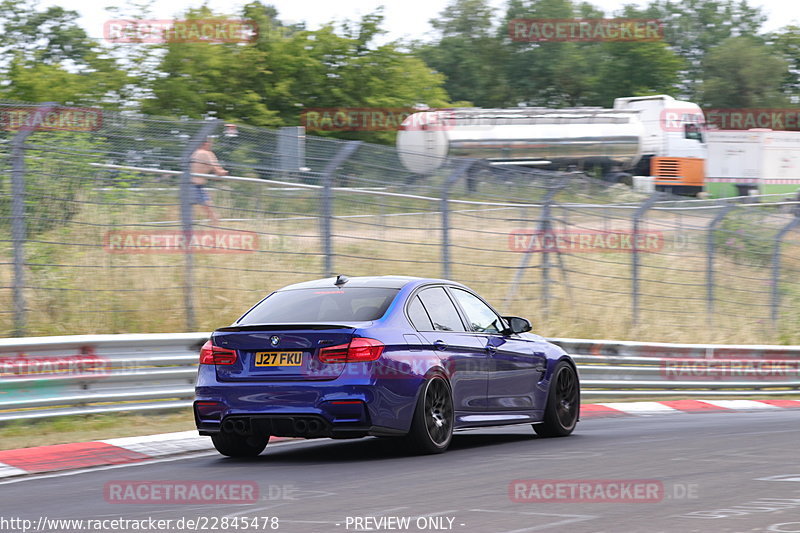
279, 358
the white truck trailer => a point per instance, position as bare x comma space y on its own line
763, 161
650, 135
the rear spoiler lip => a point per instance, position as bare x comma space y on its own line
292, 326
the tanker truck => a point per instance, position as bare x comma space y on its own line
644, 136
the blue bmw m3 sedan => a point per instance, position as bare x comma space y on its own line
386, 356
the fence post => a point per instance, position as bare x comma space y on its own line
637, 220
18, 226
461, 168
18, 229
326, 200
545, 224
776, 268
187, 218
711, 248
545, 227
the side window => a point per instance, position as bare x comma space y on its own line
481, 317
419, 316
441, 310
692, 131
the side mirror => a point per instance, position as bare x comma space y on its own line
517, 324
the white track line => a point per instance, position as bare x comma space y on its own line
8, 471
640, 408
740, 404
163, 444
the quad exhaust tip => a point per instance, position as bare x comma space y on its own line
301, 427
239, 426
307, 427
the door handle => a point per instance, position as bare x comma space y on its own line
440, 345
491, 348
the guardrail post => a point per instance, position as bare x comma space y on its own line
776, 268
711, 247
637, 221
461, 168
326, 200
187, 216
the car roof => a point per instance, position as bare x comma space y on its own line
383, 282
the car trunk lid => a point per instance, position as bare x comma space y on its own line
281, 352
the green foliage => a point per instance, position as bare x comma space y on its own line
786, 43
742, 72
745, 240
693, 27
53, 185
712, 53
287, 69
469, 54
49, 57
484, 65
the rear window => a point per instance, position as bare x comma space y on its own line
321, 305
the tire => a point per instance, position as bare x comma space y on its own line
234, 445
432, 424
563, 403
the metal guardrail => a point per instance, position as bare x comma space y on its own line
43, 377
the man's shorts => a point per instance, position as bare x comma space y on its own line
199, 195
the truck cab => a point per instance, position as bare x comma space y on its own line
674, 145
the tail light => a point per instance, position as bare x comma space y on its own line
215, 355
360, 349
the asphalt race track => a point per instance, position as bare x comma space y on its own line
727, 472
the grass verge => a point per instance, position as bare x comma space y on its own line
82, 428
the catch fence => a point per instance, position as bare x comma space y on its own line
102, 234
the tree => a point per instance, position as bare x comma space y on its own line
52, 36
786, 42
287, 69
636, 68
693, 27
550, 74
469, 54
47, 56
584, 73
742, 72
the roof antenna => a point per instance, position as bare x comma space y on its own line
341, 279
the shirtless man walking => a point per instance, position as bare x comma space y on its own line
204, 162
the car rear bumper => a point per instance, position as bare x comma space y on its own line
299, 425
344, 407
